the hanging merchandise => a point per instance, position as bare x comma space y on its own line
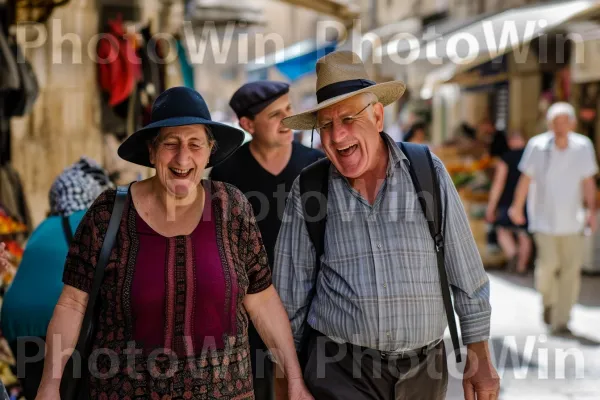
117, 78
35, 10
21, 100
187, 70
9, 71
12, 197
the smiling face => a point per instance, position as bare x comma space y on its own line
266, 127
180, 155
350, 134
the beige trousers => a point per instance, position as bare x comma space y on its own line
558, 273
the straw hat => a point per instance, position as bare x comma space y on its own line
340, 75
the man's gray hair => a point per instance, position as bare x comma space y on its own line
560, 108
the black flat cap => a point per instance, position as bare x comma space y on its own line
254, 97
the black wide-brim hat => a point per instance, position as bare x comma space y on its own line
179, 106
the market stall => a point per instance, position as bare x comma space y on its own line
472, 179
13, 233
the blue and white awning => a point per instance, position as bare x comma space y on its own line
293, 62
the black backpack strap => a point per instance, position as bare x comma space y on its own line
314, 186
67, 229
313, 194
427, 186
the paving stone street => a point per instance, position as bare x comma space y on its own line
533, 364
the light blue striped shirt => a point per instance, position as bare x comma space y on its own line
379, 285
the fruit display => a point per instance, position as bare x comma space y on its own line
13, 234
8, 226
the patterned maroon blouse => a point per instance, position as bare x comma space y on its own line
171, 308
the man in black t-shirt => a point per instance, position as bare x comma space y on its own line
264, 170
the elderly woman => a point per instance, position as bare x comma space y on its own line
187, 270
25, 317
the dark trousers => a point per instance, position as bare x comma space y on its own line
342, 371
262, 366
29, 372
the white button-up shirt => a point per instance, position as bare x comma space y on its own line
555, 204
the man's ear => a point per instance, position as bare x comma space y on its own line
247, 124
378, 116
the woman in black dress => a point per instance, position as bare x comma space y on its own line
514, 240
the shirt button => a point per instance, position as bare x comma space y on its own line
389, 334
379, 245
385, 285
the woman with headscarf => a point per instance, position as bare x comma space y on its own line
29, 301
187, 270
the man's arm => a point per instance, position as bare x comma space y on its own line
589, 172
471, 288
589, 193
463, 263
294, 271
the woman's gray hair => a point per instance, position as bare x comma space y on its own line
560, 108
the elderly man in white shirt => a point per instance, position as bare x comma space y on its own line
558, 171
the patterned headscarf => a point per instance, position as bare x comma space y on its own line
77, 187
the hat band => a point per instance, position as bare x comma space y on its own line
343, 87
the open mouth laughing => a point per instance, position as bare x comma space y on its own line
347, 150
181, 173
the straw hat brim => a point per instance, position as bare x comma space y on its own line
387, 93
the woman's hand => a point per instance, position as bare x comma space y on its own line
297, 390
517, 216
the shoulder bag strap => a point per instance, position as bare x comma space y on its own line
85, 334
425, 181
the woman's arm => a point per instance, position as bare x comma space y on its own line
61, 338
272, 323
496, 191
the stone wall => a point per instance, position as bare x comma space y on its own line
64, 123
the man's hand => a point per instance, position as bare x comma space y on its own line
480, 380
297, 390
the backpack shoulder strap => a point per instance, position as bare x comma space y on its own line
314, 186
313, 194
427, 187
424, 177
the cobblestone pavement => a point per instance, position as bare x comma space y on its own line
533, 364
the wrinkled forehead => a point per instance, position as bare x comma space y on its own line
184, 132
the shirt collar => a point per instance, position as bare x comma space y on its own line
396, 157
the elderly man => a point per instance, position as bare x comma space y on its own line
559, 166
377, 294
